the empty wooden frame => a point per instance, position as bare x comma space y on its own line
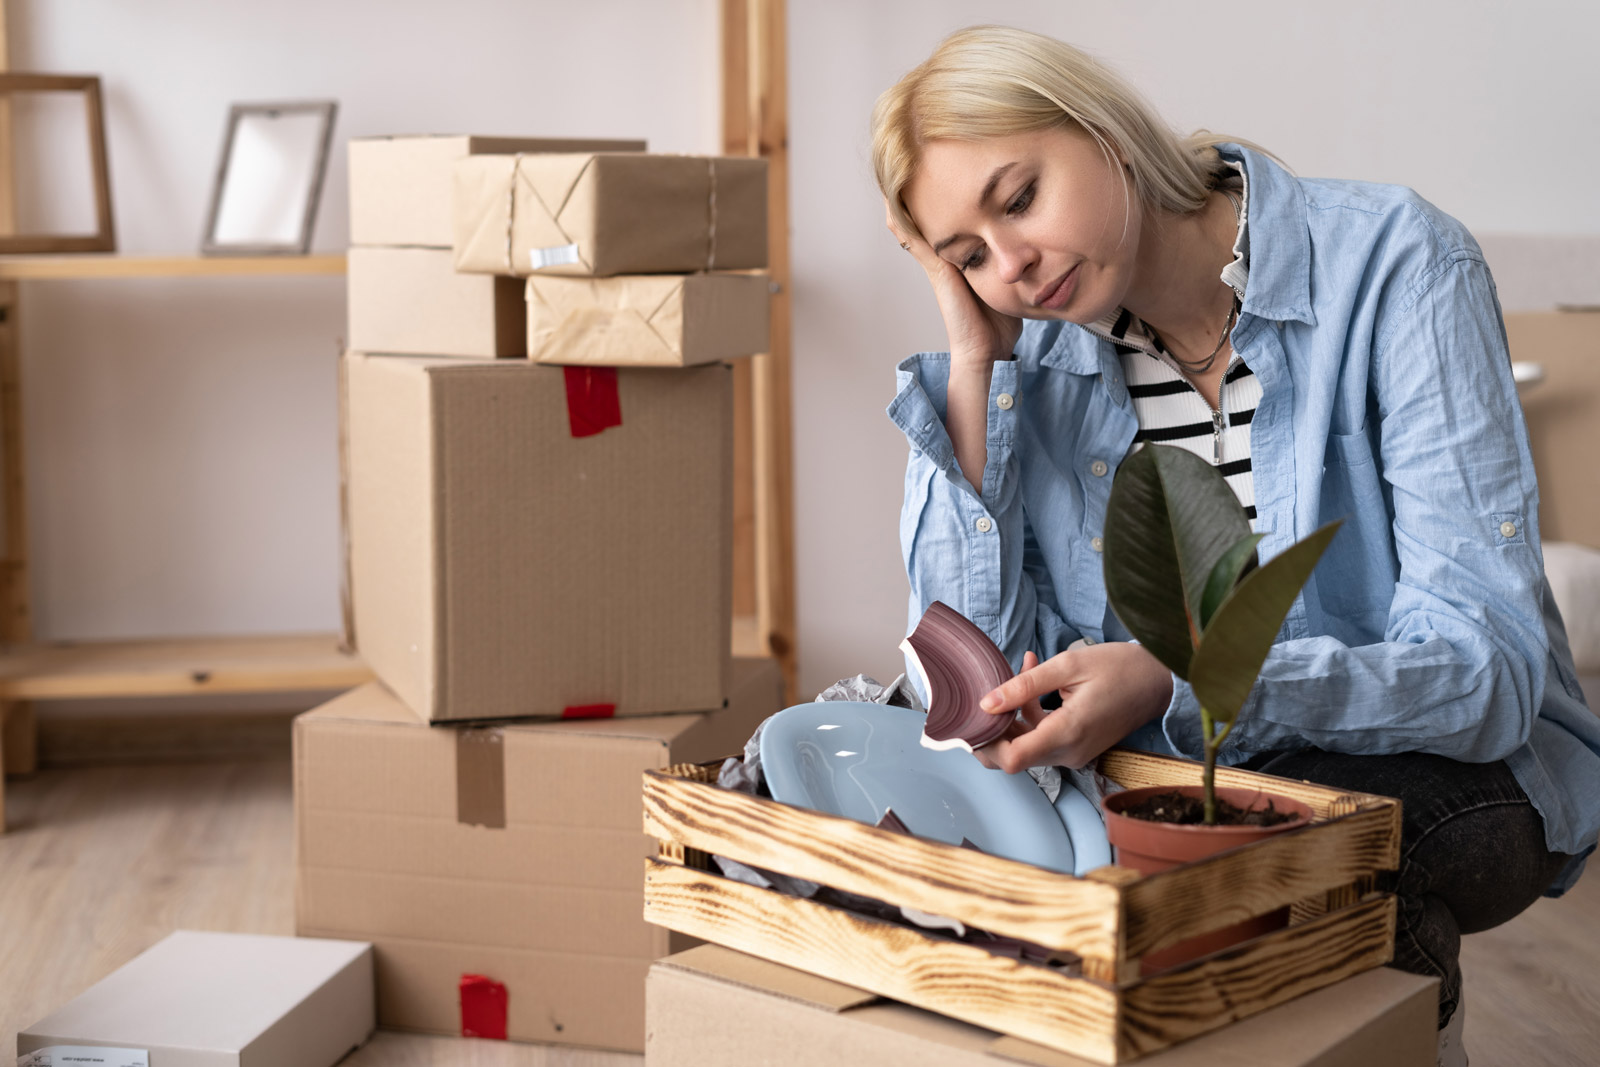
104, 238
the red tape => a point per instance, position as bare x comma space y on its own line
588, 711
483, 1007
592, 404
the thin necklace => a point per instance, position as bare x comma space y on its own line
1200, 366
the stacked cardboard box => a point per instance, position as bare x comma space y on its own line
528, 544
404, 296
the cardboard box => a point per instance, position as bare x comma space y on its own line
501, 567
410, 301
713, 1007
1563, 416
400, 186
609, 213
514, 853
209, 999
647, 320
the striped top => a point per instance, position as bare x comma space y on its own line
1170, 410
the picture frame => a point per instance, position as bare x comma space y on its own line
268, 181
104, 238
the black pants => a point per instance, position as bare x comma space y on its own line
1472, 851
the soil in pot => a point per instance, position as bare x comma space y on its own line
1154, 846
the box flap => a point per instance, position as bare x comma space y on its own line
714, 961
608, 322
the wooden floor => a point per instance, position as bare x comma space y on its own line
100, 863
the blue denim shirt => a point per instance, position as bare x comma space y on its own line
1373, 326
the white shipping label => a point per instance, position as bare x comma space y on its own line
84, 1056
552, 256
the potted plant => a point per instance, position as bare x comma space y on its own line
1181, 573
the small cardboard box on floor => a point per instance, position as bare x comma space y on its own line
713, 1007
400, 186
509, 561
513, 853
200, 999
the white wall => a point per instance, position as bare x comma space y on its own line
181, 434
1489, 109
181, 448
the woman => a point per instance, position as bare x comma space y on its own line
1336, 347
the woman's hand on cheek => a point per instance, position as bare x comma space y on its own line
1107, 692
978, 334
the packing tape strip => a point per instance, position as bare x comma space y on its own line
589, 711
481, 777
711, 220
484, 1005
553, 256
592, 401
511, 211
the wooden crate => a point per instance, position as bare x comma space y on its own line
1102, 1008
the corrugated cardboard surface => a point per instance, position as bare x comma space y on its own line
621, 213
400, 186
211, 999
411, 301
551, 904
647, 320
501, 568
712, 1007
1563, 415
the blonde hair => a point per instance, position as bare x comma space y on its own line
994, 81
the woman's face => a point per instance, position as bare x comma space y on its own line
1042, 225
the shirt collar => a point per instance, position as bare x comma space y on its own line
1279, 241
1271, 266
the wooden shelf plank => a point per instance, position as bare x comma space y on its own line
47, 267
269, 664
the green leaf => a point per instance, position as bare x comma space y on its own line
1234, 564
1170, 518
1242, 631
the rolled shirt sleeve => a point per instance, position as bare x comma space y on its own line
967, 549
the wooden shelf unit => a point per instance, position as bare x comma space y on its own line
48, 268
32, 671
284, 663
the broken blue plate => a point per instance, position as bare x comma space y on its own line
860, 760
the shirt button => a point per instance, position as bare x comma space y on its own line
1088, 641
1098, 468
1004, 401
984, 525
1508, 529
1097, 544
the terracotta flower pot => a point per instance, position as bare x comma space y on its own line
1153, 847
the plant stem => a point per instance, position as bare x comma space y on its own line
1208, 777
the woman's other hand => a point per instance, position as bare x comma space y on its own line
978, 334
1107, 692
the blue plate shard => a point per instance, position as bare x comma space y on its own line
861, 760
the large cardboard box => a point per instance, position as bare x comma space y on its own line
216, 1000
501, 567
1563, 415
514, 853
411, 301
713, 1007
647, 320
609, 213
400, 186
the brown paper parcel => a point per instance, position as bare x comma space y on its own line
607, 213
647, 320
